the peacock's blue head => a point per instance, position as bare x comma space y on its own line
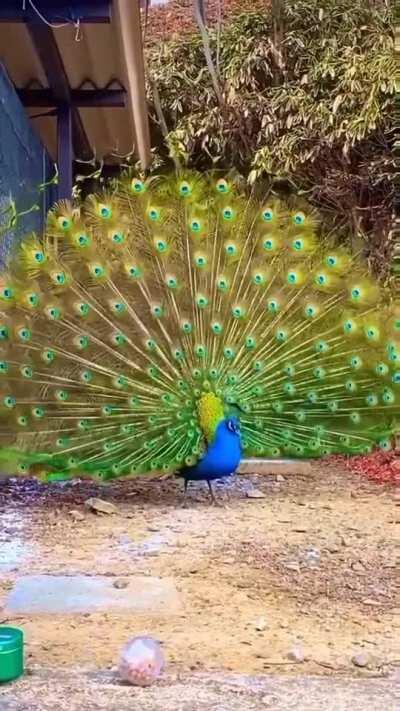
232, 425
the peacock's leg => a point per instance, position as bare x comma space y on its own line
186, 484
213, 499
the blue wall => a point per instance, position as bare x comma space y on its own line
24, 165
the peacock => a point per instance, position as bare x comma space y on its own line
175, 323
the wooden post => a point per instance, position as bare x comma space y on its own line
65, 152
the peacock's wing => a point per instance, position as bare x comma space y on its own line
148, 312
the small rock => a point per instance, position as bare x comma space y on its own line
372, 603
293, 566
361, 659
76, 515
255, 494
269, 701
358, 567
333, 549
312, 557
228, 561
261, 624
120, 584
100, 506
280, 478
296, 654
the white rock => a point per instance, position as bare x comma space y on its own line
100, 506
361, 659
261, 624
296, 654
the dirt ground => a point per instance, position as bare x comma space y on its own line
311, 566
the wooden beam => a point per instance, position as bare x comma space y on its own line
57, 11
128, 16
64, 152
53, 67
90, 98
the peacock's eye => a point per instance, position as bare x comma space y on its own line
39, 257
202, 301
161, 245
154, 214
320, 279
134, 272
184, 189
258, 279
267, 215
172, 282
187, 327
83, 308
97, 270
299, 218
227, 213
118, 238
268, 244
24, 334
82, 240
195, 225
54, 313
137, 185
222, 186
105, 212
64, 222
59, 278
231, 249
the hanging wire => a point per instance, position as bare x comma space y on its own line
53, 26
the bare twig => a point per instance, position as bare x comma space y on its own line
198, 13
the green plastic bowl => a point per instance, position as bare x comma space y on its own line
11, 653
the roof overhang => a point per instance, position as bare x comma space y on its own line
84, 58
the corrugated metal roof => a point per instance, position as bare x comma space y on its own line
99, 53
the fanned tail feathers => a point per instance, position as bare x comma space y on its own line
148, 312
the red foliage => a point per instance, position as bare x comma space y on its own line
382, 467
176, 17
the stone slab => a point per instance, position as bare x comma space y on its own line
63, 595
285, 467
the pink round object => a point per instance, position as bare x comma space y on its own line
142, 661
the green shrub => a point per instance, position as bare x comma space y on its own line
306, 102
